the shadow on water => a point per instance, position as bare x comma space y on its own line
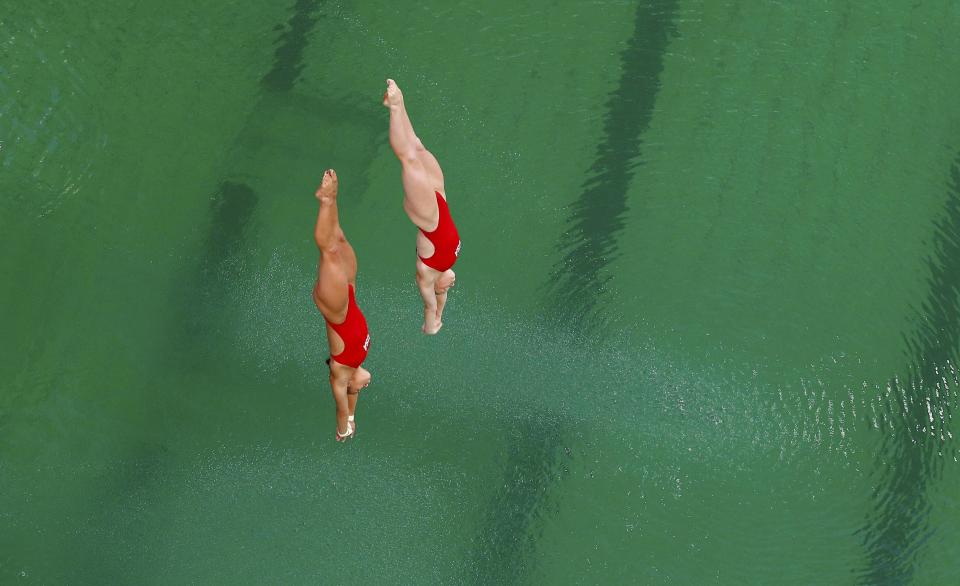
230, 209
533, 466
590, 242
919, 408
221, 263
536, 463
233, 205
288, 57
200, 327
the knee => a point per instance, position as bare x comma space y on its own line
332, 246
410, 151
410, 165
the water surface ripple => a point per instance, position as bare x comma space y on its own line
916, 416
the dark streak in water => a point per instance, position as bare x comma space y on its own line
590, 243
911, 458
537, 459
533, 466
233, 205
231, 209
288, 57
200, 332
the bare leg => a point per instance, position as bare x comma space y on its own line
403, 139
338, 261
426, 283
418, 184
431, 166
441, 302
338, 384
360, 379
447, 279
327, 232
352, 396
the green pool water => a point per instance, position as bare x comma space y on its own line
705, 328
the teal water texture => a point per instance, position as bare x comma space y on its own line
705, 329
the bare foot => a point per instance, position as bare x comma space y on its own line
328, 186
393, 97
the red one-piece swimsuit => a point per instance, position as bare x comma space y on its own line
353, 332
445, 239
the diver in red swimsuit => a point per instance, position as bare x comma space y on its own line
438, 243
335, 298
